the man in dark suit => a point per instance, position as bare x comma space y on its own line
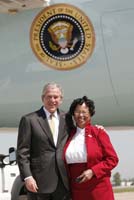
39, 151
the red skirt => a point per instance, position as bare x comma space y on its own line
93, 189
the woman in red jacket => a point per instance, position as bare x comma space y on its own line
89, 154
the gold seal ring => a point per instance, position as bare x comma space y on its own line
62, 37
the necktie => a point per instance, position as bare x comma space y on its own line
52, 124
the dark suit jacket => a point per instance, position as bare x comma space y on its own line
37, 154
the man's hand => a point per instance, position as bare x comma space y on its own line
100, 127
31, 185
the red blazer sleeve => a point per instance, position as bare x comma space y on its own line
105, 157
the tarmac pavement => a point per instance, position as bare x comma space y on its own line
124, 196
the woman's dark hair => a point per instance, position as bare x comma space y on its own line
89, 103
79, 101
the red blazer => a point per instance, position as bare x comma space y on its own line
101, 156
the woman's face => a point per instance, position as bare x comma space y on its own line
81, 115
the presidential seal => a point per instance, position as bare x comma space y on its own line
62, 37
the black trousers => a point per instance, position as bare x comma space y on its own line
59, 194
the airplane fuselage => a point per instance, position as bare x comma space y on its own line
107, 77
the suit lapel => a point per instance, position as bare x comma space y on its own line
44, 124
62, 132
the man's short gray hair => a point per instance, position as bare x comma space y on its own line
51, 85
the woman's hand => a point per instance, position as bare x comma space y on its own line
85, 176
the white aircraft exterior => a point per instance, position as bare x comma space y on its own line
107, 77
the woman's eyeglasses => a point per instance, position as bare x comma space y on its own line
81, 113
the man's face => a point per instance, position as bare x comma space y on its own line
52, 99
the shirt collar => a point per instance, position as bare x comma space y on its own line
80, 130
55, 114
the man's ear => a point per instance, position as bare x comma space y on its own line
42, 98
61, 100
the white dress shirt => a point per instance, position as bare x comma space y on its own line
56, 122
76, 151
